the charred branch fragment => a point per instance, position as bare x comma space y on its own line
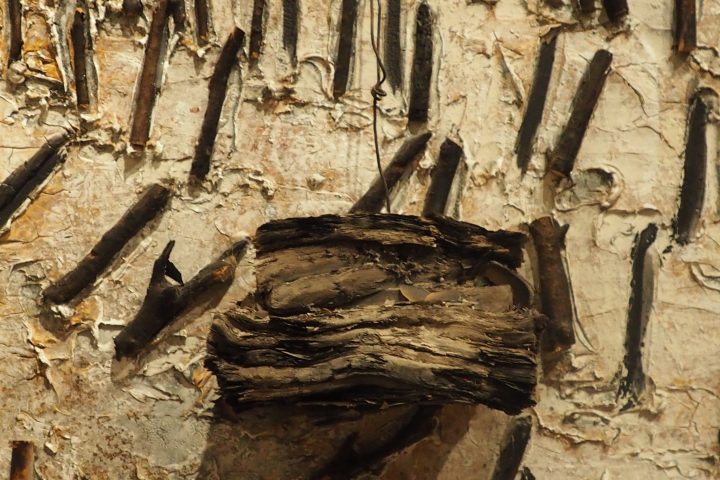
562, 158
80, 37
346, 47
18, 186
132, 8
692, 192
422, 68
555, 293
536, 102
393, 49
442, 178
217, 91
202, 21
642, 288
151, 203
22, 461
151, 75
513, 449
685, 39
616, 10
165, 301
257, 32
374, 198
14, 14
291, 22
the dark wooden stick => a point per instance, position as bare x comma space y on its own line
616, 10
15, 27
132, 8
585, 6
555, 294
536, 101
685, 31
79, 35
562, 159
291, 23
642, 288
692, 192
442, 178
526, 474
18, 186
393, 49
421, 75
257, 32
151, 75
22, 462
513, 449
164, 302
217, 91
346, 47
202, 21
374, 198
151, 203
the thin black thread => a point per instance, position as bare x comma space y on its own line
377, 91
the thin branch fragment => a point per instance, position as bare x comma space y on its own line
346, 47
18, 186
616, 10
202, 21
555, 294
421, 76
217, 91
151, 203
164, 301
374, 198
257, 31
22, 461
442, 178
80, 36
513, 449
536, 102
642, 289
15, 27
151, 75
132, 8
291, 22
562, 159
685, 31
393, 50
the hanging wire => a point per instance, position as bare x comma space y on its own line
377, 91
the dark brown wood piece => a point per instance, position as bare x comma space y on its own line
685, 26
442, 178
374, 199
562, 158
422, 68
80, 37
15, 27
164, 301
151, 75
555, 293
585, 6
132, 8
22, 461
150, 204
616, 10
513, 449
393, 49
346, 47
291, 23
217, 91
202, 21
257, 32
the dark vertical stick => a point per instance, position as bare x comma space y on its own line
692, 192
177, 9
685, 26
86, 272
151, 75
536, 102
79, 35
616, 9
374, 198
346, 47
217, 91
585, 6
442, 178
641, 295
22, 462
421, 76
202, 21
257, 31
16, 40
393, 51
132, 8
512, 449
555, 294
291, 21
562, 159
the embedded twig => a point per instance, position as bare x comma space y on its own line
217, 91
291, 22
513, 449
555, 294
692, 192
374, 198
132, 8
86, 272
562, 158
442, 178
421, 76
22, 462
616, 10
536, 101
80, 37
257, 31
14, 14
526, 474
346, 47
151, 76
585, 6
164, 301
642, 288
18, 186
202, 21
393, 50
685, 31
